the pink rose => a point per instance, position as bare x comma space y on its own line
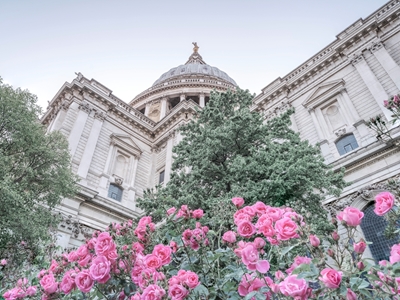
260, 208
335, 236
351, 295
100, 269
191, 280
68, 282
351, 216
237, 201
152, 261
198, 214
153, 292
249, 283
163, 253
279, 275
250, 257
360, 247
171, 211
298, 260
229, 237
395, 254
177, 292
3, 262
246, 229
73, 256
293, 287
31, 291
314, 240
275, 213
174, 246
383, 203
331, 278
49, 283
286, 229
104, 244
184, 212
360, 265
259, 243
84, 281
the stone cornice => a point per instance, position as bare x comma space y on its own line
336, 51
181, 83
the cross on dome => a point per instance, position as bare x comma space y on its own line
195, 58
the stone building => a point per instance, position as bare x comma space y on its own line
119, 149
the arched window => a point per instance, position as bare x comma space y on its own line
115, 192
373, 227
346, 144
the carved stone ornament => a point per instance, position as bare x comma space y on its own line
72, 225
118, 180
85, 107
99, 115
340, 132
363, 196
356, 59
376, 47
278, 110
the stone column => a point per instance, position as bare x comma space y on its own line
183, 97
105, 176
60, 118
372, 83
202, 100
91, 145
147, 109
168, 159
79, 125
163, 110
323, 143
387, 62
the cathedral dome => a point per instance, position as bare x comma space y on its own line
195, 66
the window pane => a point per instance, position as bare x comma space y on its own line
161, 177
346, 144
373, 227
115, 192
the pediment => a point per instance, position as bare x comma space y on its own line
324, 92
126, 143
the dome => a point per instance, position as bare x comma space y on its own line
194, 66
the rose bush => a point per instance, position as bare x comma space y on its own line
270, 253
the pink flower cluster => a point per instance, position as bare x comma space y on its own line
196, 237
276, 224
185, 212
250, 254
145, 226
22, 290
180, 284
393, 103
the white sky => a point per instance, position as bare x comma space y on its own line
127, 45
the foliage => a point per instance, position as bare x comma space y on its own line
182, 259
229, 151
35, 174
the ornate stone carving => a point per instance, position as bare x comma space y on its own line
366, 194
356, 59
278, 110
340, 132
376, 46
71, 224
99, 115
118, 180
85, 107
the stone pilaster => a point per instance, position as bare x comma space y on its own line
372, 83
79, 125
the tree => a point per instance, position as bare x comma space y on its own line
35, 172
230, 152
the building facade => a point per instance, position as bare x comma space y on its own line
119, 149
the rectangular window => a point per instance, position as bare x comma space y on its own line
161, 177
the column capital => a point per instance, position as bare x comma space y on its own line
376, 46
85, 107
357, 59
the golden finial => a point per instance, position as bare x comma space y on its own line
195, 48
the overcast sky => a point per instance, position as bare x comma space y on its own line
127, 45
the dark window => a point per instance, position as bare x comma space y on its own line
346, 144
142, 110
115, 192
174, 101
373, 227
194, 98
161, 177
